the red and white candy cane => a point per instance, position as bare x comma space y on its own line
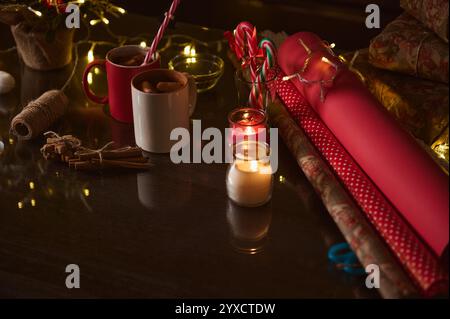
169, 16
269, 53
242, 31
270, 58
246, 37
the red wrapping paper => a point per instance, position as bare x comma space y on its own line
422, 265
392, 159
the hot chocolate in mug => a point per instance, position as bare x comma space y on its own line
121, 64
162, 101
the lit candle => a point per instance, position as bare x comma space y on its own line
247, 124
249, 178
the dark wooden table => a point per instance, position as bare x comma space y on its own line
166, 232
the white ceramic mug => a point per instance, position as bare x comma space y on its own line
155, 115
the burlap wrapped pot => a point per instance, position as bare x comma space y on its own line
38, 52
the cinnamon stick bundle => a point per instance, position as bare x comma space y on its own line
68, 149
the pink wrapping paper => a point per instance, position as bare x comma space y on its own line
393, 160
359, 233
422, 265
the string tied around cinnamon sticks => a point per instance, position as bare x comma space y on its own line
68, 149
98, 151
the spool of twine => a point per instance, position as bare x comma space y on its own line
39, 115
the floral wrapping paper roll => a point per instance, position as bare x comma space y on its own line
419, 261
441, 147
420, 106
406, 46
350, 220
432, 13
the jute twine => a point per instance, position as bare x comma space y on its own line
39, 115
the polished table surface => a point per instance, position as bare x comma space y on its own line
169, 232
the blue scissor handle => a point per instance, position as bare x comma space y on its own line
342, 254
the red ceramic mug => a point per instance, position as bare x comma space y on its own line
119, 79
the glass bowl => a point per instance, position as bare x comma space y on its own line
205, 68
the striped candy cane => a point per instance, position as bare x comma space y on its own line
242, 32
269, 52
169, 16
246, 34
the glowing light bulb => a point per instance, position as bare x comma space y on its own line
86, 192
90, 55
282, 179
89, 78
20, 205
121, 10
324, 59
105, 21
31, 184
187, 50
332, 45
36, 12
143, 44
33, 202
94, 22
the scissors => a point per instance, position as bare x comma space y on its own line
344, 258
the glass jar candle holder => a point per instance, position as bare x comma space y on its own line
247, 124
249, 178
264, 91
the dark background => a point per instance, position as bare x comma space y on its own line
340, 21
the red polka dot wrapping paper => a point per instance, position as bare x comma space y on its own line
422, 265
406, 175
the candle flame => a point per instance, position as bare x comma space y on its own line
254, 166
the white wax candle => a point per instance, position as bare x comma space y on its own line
249, 183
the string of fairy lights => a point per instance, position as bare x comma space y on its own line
41, 186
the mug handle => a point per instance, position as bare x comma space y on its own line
87, 89
192, 93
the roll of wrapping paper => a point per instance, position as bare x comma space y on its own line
421, 264
417, 259
420, 106
365, 242
406, 46
432, 13
392, 159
